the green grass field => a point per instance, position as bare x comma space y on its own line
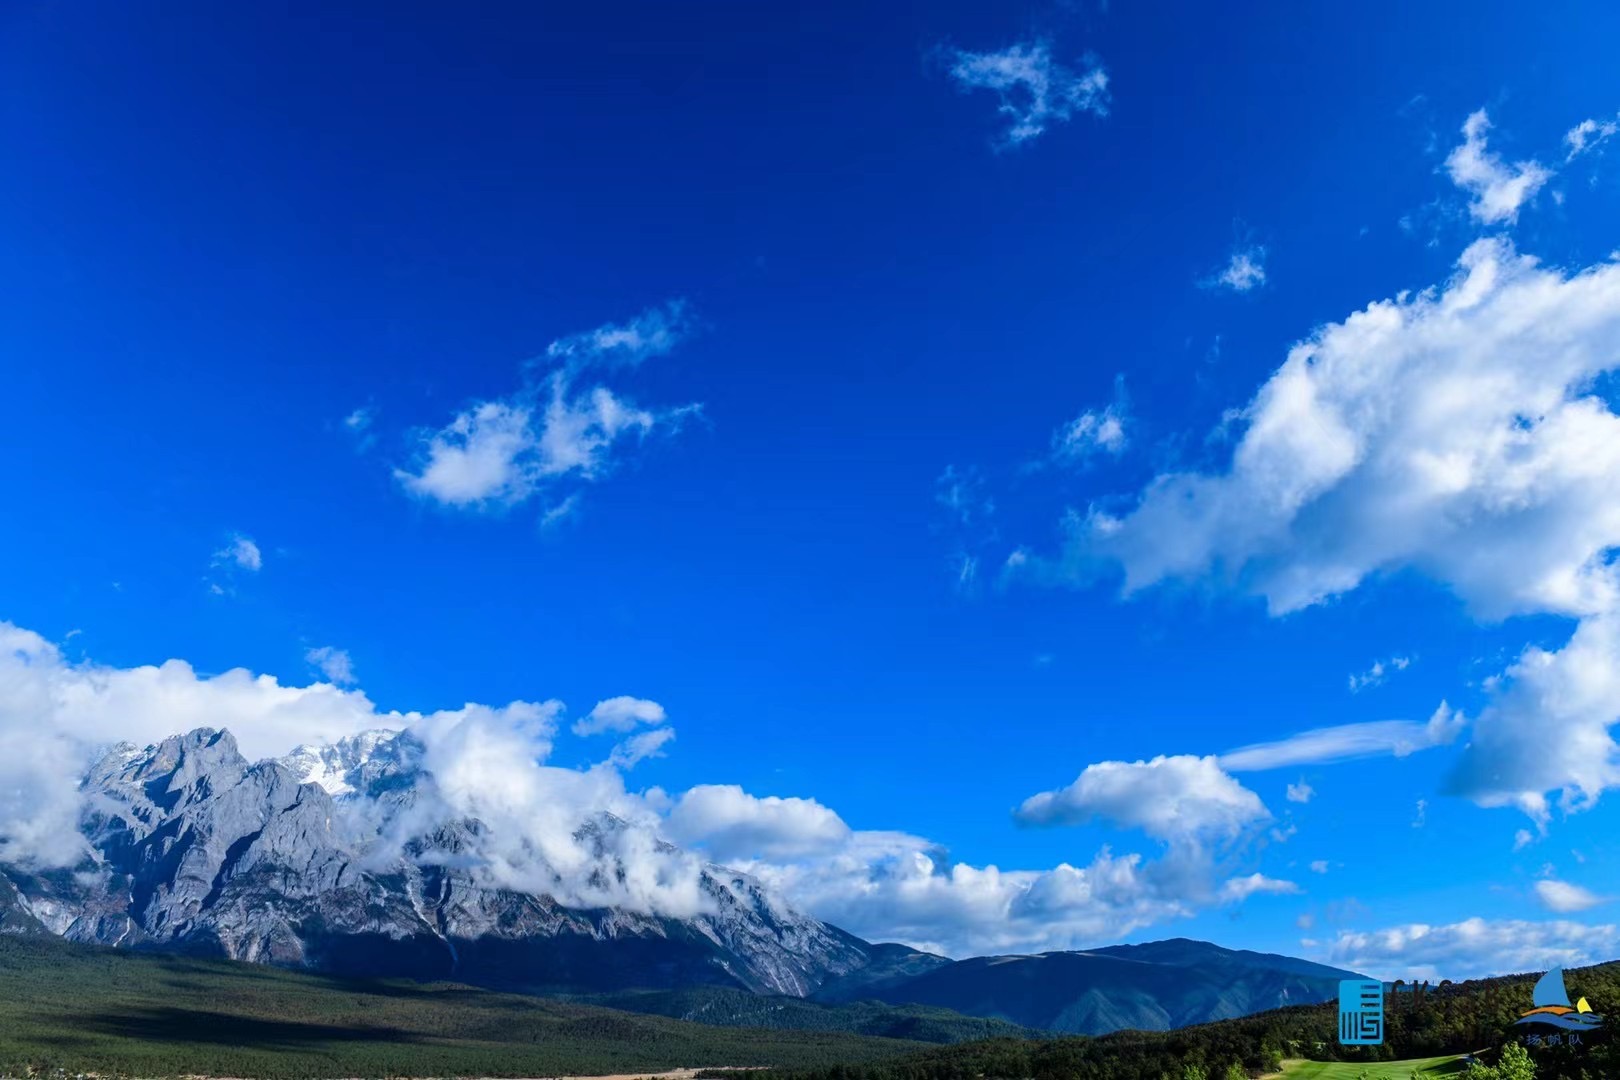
1394, 1070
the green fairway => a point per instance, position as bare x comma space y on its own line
1451, 1065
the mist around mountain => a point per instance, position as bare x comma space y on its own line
348, 860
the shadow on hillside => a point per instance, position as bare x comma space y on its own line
171, 1025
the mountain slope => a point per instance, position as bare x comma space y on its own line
197, 849
1153, 987
736, 1008
88, 1010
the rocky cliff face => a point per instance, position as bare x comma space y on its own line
278, 861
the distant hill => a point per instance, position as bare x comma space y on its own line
1152, 987
1461, 1018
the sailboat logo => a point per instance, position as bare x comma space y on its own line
1554, 1010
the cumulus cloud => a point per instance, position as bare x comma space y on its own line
1572, 694
1564, 898
1319, 866
1498, 189
731, 824
1345, 742
55, 715
1035, 90
895, 887
334, 663
1168, 798
1472, 948
502, 452
489, 763
1458, 432
621, 714
1245, 270
1300, 792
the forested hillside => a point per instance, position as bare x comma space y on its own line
1452, 1019
86, 1009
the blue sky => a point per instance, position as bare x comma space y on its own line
912, 453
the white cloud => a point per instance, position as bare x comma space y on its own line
731, 824
1346, 742
1472, 948
1499, 189
1245, 270
1457, 433
654, 332
1319, 866
1564, 898
1589, 135
1421, 818
1573, 695
1522, 839
1168, 798
242, 553
56, 714
1035, 90
638, 748
1241, 888
334, 663
893, 887
501, 452
359, 425
489, 763
1376, 674
1300, 792
1093, 431
621, 713
482, 456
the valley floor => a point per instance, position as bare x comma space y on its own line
1423, 1068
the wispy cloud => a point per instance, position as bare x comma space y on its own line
1245, 269
1094, 432
240, 552
360, 424
333, 663
500, 453
1346, 742
1499, 189
1035, 90
1564, 898
1376, 674
1588, 135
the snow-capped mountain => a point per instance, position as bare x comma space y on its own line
340, 858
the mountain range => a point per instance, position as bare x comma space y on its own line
339, 859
